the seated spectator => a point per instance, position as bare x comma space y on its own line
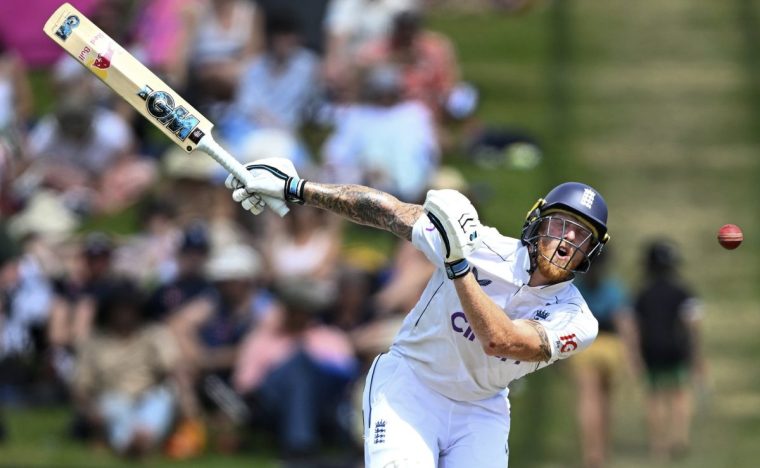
210, 329
385, 141
8, 258
307, 249
226, 36
162, 37
426, 59
126, 378
155, 244
86, 153
25, 300
16, 99
188, 280
26, 297
349, 25
78, 291
353, 305
9, 159
296, 372
275, 90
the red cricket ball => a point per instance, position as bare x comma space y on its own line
730, 236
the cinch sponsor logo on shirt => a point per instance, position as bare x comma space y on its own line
460, 325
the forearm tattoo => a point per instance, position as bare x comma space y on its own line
364, 205
544, 349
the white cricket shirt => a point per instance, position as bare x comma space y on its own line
442, 349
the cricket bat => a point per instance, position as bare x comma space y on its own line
142, 89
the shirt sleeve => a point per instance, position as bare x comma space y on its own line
691, 309
425, 237
570, 330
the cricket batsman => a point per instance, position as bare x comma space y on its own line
496, 309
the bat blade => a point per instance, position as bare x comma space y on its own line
141, 88
129, 78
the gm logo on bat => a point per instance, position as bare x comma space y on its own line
160, 105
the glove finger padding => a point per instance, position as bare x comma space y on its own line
254, 204
240, 194
456, 220
232, 183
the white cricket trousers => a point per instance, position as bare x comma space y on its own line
407, 424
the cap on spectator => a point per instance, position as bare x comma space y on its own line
97, 244
195, 238
448, 177
179, 165
234, 262
305, 294
46, 214
268, 143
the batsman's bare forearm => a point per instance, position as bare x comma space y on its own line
364, 205
522, 340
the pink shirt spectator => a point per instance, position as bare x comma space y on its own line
268, 347
429, 67
162, 35
21, 28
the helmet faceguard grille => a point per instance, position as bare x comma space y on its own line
585, 243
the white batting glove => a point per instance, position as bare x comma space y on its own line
457, 222
275, 179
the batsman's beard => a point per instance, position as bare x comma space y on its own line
550, 271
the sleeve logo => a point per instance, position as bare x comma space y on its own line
568, 343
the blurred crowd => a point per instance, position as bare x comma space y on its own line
135, 291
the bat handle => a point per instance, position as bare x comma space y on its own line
209, 146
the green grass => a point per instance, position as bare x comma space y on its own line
38, 438
657, 104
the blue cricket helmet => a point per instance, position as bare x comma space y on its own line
575, 198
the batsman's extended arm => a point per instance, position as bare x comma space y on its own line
364, 205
